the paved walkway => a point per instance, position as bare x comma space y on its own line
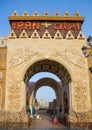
45, 122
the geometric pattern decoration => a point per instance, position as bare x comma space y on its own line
58, 35
23, 34
15, 13
46, 24
35, 13
56, 13
81, 36
35, 34
25, 13
46, 35
69, 35
46, 13
76, 14
66, 14
12, 35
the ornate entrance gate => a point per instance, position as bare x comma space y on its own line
44, 44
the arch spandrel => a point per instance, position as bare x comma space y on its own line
70, 57
54, 59
66, 62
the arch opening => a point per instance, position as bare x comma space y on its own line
53, 74
33, 87
46, 93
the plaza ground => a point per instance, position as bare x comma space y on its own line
44, 122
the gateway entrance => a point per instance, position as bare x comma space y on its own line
45, 44
62, 101
59, 107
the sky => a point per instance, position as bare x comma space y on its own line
40, 94
7, 7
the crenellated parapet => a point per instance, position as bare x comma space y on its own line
46, 26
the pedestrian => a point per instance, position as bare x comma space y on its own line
55, 121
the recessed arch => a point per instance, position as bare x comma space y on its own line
46, 82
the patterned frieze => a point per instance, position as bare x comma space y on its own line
41, 27
38, 26
22, 55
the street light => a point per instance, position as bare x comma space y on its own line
86, 50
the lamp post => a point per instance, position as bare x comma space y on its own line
87, 51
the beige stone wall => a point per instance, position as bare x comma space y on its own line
22, 53
90, 77
3, 60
